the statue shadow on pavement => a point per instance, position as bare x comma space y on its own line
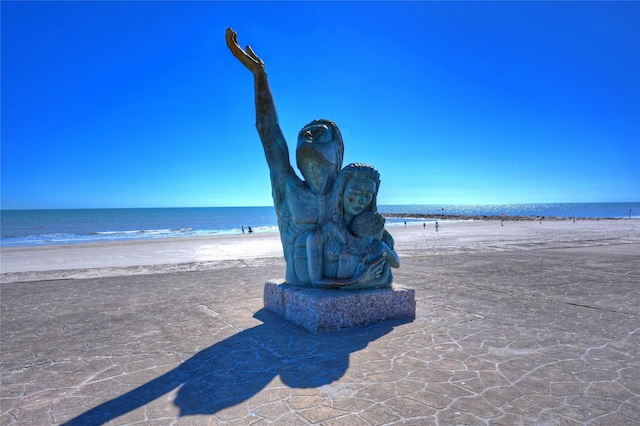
237, 368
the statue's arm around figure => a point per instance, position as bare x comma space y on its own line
273, 141
391, 256
315, 261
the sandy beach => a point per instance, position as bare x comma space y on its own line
528, 323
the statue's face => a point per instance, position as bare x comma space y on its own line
357, 196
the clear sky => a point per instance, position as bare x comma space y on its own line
140, 104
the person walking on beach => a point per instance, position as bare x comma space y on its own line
242, 229
437, 226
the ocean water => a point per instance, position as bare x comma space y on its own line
45, 227
41, 227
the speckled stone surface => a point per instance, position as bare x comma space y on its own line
319, 310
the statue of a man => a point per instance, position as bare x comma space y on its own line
301, 205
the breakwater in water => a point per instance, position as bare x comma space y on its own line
441, 217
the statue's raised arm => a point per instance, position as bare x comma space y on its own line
301, 204
273, 141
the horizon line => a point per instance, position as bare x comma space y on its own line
271, 205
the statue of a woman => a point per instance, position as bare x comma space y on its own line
354, 193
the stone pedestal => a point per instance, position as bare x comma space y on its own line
320, 310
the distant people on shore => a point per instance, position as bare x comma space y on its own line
242, 229
437, 226
250, 230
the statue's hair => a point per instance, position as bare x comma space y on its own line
367, 224
337, 135
353, 171
338, 146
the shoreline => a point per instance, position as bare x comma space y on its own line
395, 225
153, 256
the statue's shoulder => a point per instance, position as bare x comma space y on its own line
285, 185
388, 239
288, 179
334, 231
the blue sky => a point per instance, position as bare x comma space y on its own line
140, 104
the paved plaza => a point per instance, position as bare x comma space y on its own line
533, 336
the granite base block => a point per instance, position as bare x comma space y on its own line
320, 310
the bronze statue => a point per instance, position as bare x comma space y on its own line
304, 207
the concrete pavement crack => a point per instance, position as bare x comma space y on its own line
580, 305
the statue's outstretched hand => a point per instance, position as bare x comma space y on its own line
248, 58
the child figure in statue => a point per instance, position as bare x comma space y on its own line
364, 246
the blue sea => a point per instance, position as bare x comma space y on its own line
46, 227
